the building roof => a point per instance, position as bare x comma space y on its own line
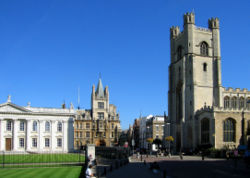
99, 89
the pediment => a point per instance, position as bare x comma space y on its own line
10, 107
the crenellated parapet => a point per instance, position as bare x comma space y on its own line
213, 23
189, 18
236, 90
174, 32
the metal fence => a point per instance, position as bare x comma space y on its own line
43, 159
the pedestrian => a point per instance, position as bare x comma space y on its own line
235, 157
138, 155
90, 159
227, 155
181, 156
88, 172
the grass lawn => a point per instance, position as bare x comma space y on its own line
41, 158
64, 172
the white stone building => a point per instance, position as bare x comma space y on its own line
31, 129
142, 132
202, 111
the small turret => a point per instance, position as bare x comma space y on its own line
93, 91
213, 23
106, 92
188, 18
174, 31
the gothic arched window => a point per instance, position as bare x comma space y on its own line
204, 49
226, 102
234, 102
242, 102
205, 131
47, 126
59, 127
34, 128
248, 103
229, 130
179, 52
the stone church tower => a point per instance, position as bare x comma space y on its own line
194, 76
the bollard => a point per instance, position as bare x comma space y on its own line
105, 171
141, 158
164, 173
111, 168
145, 163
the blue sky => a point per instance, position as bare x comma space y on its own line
50, 48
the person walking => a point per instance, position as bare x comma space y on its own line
88, 172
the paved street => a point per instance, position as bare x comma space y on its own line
190, 166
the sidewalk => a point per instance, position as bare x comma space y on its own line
133, 170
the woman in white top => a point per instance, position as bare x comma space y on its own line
88, 172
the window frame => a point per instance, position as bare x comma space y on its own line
22, 126
59, 142
229, 130
87, 134
100, 115
47, 142
34, 126
21, 142
34, 142
59, 127
47, 126
204, 48
100, 105
9, 125
226, 102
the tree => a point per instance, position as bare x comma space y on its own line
169, 139
150, 140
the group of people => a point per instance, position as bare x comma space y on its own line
89, 172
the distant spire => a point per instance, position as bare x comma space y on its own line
100, 76
193, 11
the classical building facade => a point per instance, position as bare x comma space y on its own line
32, 129
201, 110
100, 125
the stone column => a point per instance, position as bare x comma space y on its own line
53, 140
41, 128
65, 136
28, 139
1, 136
14, 135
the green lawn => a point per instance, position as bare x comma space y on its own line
64, 172
41, 158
